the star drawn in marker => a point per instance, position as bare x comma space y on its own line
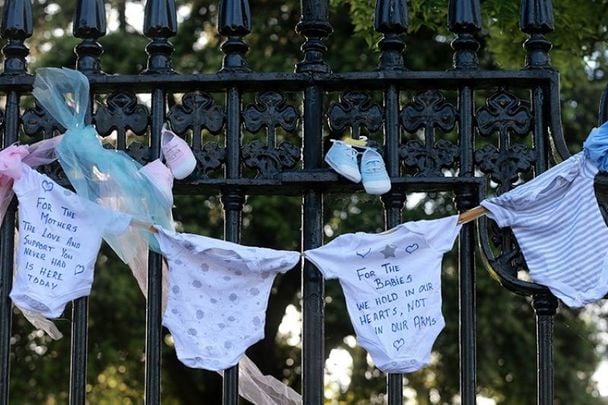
388, 251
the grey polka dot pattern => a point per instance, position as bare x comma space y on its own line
213, 296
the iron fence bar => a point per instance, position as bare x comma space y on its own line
78, 344
233, 200
79, 337
393, 203
545, 306
313, 286
254, 81
467, 198
7, 235
7, 246
154, 300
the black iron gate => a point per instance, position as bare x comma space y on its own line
412, 166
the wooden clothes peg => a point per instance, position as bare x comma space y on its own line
471, 214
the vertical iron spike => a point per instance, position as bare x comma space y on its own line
464, 19
89, 24
536, 19
391, 20
160, 23
234, 22
314, 26
16, 27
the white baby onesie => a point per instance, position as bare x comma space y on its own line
59, 239
392, 286
560, 230
218, 294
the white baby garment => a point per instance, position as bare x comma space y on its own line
392, 286
218, 294
560, 230
59, 239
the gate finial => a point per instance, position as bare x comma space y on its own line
314, 25
89, 24
464, 19
16, 27
234, 22
391, 21
536, 20
160, 23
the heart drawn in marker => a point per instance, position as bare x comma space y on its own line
47, 185
79, 269
398, 344
412, 248
362, 254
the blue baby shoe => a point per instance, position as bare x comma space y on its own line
373, 173
343, 159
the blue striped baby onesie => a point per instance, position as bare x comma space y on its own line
559, 227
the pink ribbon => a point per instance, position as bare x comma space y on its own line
11, 160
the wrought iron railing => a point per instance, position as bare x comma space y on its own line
284, 169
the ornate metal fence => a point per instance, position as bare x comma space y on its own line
523, 128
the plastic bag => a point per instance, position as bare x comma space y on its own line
596, 147
108, 177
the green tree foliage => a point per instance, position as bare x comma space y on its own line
505, 324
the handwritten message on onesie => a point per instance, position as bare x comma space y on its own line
49, 242
403, 302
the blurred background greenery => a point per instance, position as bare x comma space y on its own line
505, 325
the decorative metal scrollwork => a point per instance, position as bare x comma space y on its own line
268, 160
198, 112
503, 165
270, 111
120, 113
209, 157
504, 114
37, 120
429, 110
355, 110
429, 162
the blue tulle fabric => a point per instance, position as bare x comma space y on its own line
108, 177
596, 147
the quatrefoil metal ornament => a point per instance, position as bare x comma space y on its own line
505, 114
429, 110
197, 112
121, 113
270, 111
38, 121
355, 110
